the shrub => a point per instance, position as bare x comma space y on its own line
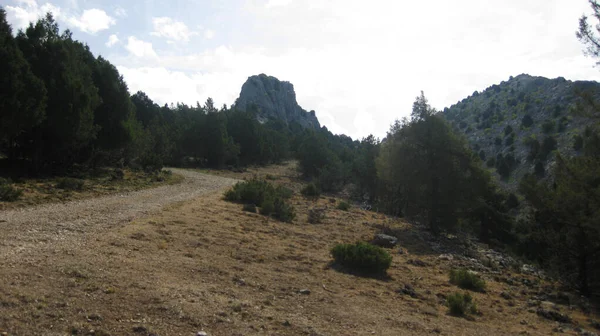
310, 191
316, 216
362, 257
7, 192
508, 130
491, 162
548, 126
577, 142
249, 208
117, 174
539, 169
527, 121
548, 145
263, 194
461, 304
498, 141
344, 206
69, 183
512, 201
283, 211
466, 279
510, 140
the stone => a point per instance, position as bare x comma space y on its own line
384, 240
506, 295
553, 315
448, 257
417, 262
407, 290
201, 333
304, 291
274, 99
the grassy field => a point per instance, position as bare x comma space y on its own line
61, 189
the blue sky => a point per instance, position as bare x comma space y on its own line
358, 64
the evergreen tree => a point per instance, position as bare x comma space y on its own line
64, 136
22, 94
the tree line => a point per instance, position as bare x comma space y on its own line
62, 108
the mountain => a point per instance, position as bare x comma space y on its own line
274, 99
516, 125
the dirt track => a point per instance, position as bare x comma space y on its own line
24, 231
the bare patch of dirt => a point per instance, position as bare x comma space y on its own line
178, 260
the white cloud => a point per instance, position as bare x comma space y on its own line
209, 34
171, 29
140, 48
120, 12
28, 11
92, 21
112, 40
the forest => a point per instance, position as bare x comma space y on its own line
62, 109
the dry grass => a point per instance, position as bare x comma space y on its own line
42, 191
208, 265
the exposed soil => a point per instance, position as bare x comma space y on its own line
177, 259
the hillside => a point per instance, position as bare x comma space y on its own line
202, 264
514, 126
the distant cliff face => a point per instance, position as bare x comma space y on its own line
274, 99
516, 125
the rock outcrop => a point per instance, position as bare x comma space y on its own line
274, 99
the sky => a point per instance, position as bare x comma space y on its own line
358, 64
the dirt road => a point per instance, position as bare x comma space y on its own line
24, 231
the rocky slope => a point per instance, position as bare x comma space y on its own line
274, 99
516, 126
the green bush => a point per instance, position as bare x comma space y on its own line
344, 206
467, 280
69, 183
270, 199
7, 192
461, 304
577, 142
548, 126
527, 121
362, 257
310, 191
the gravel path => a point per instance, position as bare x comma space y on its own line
24, 231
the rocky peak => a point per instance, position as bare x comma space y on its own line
274, 99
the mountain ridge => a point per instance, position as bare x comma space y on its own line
516, 125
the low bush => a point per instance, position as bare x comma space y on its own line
69, 183
362, 257
344, 206
466, 279
270, 199
461, 304
316, 216
311, 191
7, 192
